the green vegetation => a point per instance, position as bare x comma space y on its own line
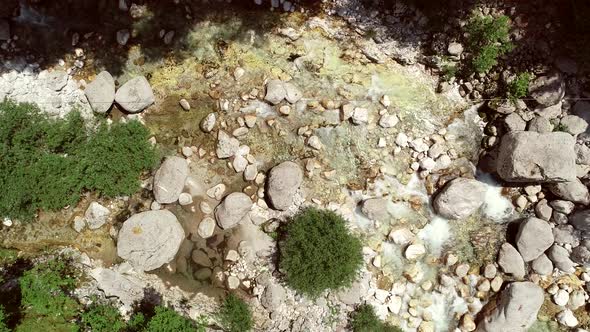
364, 319
560, 127
45, 299
235, 315
519, 87
102, 318
489, 38
319, 253
168, 320
449, 71
46, 163
3, 327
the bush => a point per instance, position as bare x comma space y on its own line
168, 320
45, 297
364, 319
235, 315
519, 87
46, 163
489, 38
3, 327
319, 253
102, 318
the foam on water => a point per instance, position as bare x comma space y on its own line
496, 206
435, 235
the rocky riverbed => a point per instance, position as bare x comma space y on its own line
472, 212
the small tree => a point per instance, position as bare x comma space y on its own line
489, 38
364, 319
235, 315
319, 253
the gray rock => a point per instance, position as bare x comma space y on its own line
566, 234
292, 93
150, 239
574, 191
208, 122
540, 124
273, 296
459, 198
112, 283
574, 124
581, 255
169, 180
528, 156
227, 146
455, 48
582, 154
562, 206
135, 95
79, 224
543, 210
561, 258
55, 80
96, 215
4, 29
513, 122
581, 220
101, 92
577, 299
375, 209
517, 310
533, 238
559, 218
549, 112
510, 261
548, 90
542, 265
283, 182
232, 210
275, 91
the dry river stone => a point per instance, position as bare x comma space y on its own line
169, 180
517, 310
283, 182
150, 239
533, 238
232, 210
101, 92
135, 95
527, 156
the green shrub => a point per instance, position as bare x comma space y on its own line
319, 253
3, 327
364, 319
449, 71
168, 320
235, 315
102, 318
46, 163
489, 38
519, 87
45, 297
136, 322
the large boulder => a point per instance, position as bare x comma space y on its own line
548, 90
573, 191
528, 156
517, 310
459, 198
283, 182
510, 261
232, 210
150, 239
126, 288
533, 238
135, 95
169, 180
101, 92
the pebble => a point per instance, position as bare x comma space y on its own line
216, 191
285, 110
484, 286
395, 304
497, 283
208, 122
238, 73
401, 140
462, 270
155, 206
185, 104
385, 101
490, 271
233, 282
314, 142
360, 116
451, 259
467, 323
239, 163
250, 120
187, 151
205, 207
415, 251
232, 255
402, 236
250, 172
561, 298
567, 318
206, 227
185, 199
